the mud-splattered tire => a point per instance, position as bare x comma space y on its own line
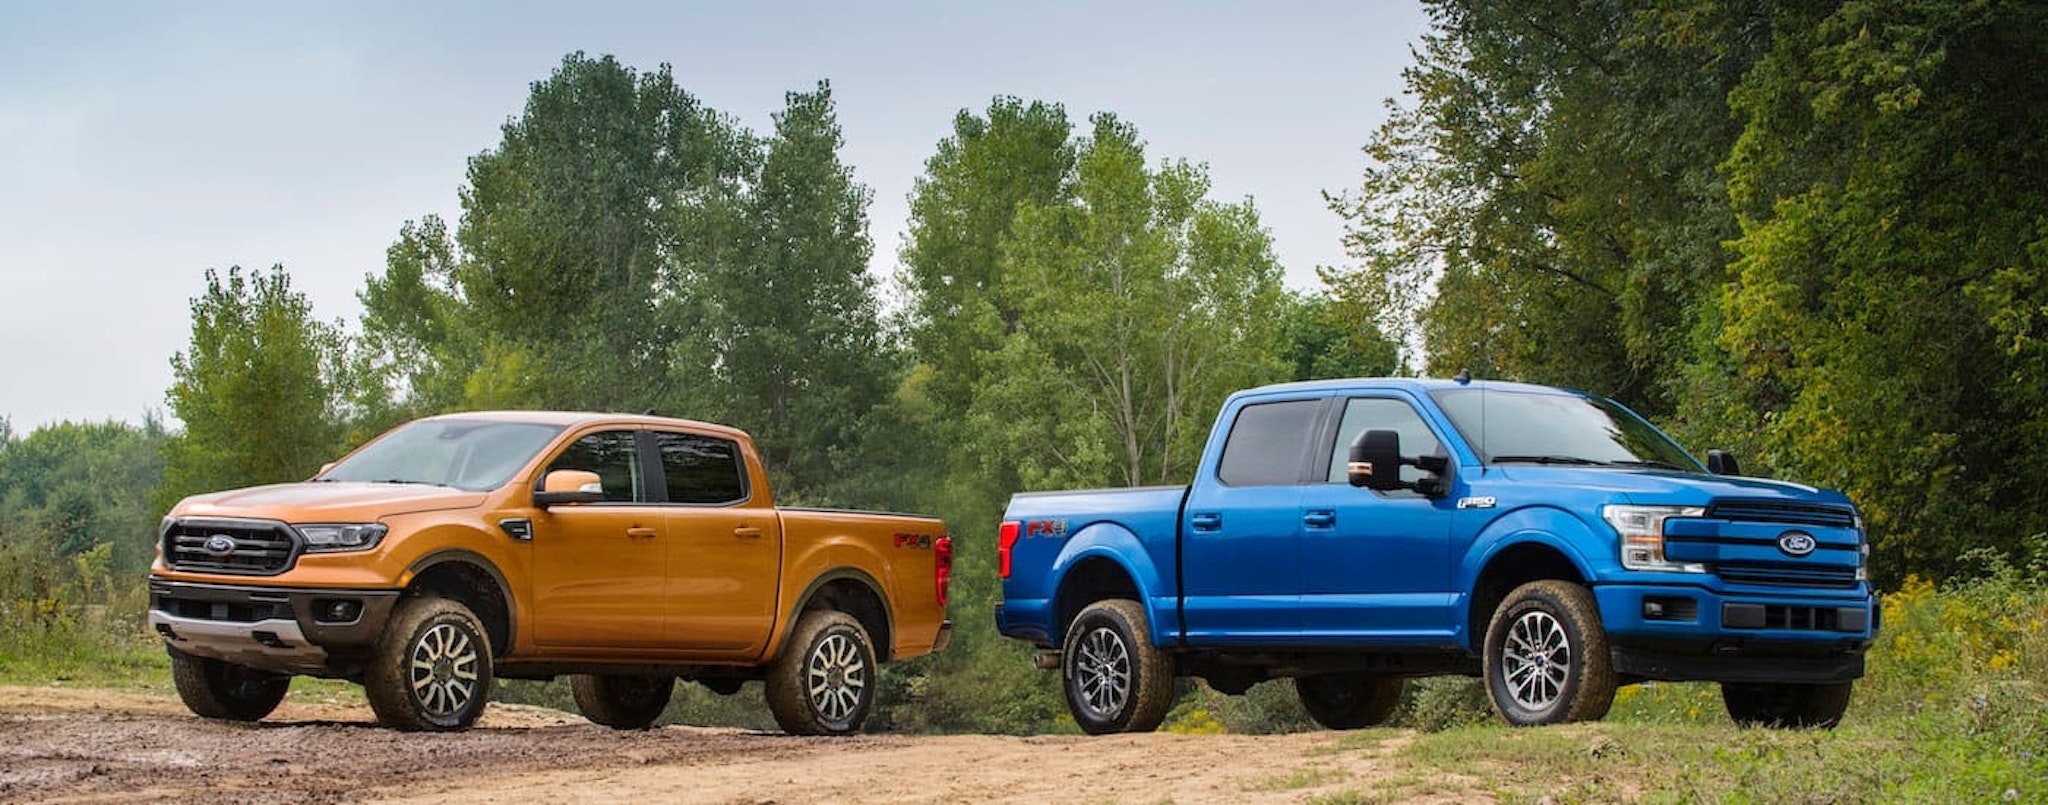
1349, 701
824, 681
622, 702
1546, 656
431, 670
1787, 705
215, 689
1115, 680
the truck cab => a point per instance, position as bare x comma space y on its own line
1352, 534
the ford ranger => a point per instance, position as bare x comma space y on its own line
627, 552
1353, 534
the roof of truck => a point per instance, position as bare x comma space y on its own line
1417, 384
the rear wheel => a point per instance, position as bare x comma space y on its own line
215, 689
1791, 705
824, 681
431, 669
622, 702
1546, 656
1349, 701
1114, 678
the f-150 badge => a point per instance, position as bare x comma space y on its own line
1476, 503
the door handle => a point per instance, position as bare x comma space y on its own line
640, 532
1321, 519
747, 532
1207, 521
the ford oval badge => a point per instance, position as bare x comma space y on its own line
1796, 543
219, 545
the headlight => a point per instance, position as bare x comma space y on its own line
340, 536
1642, 536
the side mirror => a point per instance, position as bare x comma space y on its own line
1721, 462
569, 486
1376, 461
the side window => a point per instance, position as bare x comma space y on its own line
701, 469
1379, 413
612, 455
1267, 443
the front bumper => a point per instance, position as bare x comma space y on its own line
1693, 633
284, 629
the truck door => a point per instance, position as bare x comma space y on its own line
725, 552
1375, 565
597, 567
1240, 562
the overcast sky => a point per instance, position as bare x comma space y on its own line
142, 143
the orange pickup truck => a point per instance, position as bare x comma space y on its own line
625, 551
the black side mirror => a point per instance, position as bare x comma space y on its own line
1721, 462
1376, 461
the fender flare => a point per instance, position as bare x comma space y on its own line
506, 596
1121, 547
1547, 526
884, 649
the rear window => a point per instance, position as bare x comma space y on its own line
1267, 443
701, 469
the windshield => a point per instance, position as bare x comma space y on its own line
1523, 427
464, 454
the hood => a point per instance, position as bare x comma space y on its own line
1652, 487
327, 502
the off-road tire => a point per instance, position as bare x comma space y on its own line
1787, 705
431, 669
622, 702
1546, 656
215, 689
1115, 680
823, 683
1349, 701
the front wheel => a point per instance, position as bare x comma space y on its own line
211, 688
1114, 678
1349, 701
1789, 705
622, 702
431, 669
824, 681
1546, 656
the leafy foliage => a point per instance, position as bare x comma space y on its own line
256, 389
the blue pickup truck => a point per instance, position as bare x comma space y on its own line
1353, 534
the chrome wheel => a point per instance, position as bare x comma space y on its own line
836, 678
1102, 673
442, 671
1536, 660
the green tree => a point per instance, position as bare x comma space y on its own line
962, 210
801, 360
81, 485
256, 389
582, 232
1547, 207
1322, 337
1141, 305
1880, 323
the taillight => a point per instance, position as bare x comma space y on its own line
943, 574
1006, 539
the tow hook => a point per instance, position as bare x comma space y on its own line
1046, 661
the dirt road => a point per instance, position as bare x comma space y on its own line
71, 745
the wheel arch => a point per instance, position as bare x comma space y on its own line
474, 581
1511, 561
854, 592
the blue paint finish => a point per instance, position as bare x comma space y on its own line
1305, 562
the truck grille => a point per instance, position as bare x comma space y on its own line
250, 548
1774, 511
1786, 574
